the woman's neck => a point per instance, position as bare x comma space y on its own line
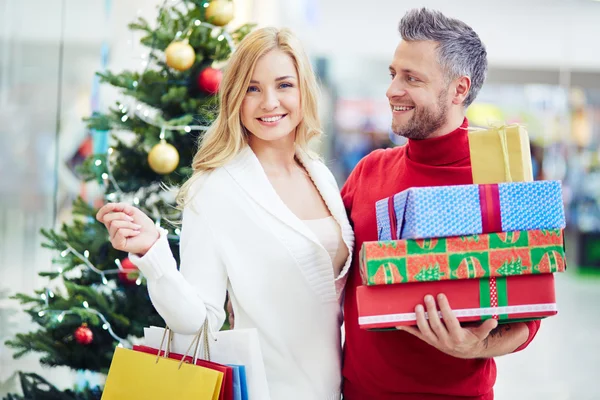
276, 157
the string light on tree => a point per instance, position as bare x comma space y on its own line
60, 315
122, 269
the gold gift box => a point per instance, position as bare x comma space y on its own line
491, 161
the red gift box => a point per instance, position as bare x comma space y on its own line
507, 299
227, 386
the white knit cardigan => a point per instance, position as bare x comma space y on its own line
239, 236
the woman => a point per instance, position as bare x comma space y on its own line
262, 220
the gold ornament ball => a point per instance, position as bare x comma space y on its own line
180, 55
219, 12
163, 158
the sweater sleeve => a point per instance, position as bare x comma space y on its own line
184, 298
352, 184
534, 327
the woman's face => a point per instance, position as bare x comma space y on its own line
271, 107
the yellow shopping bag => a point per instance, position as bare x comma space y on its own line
135, 375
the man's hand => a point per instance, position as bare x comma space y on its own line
448, 335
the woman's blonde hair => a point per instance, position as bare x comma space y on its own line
226, 137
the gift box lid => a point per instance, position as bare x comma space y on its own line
445, 211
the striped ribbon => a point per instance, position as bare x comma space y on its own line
493, 293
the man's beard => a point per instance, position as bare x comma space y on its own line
424, 121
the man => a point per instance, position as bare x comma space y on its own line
437, 71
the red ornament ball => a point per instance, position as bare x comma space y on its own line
130, 273
209, 80
83, 335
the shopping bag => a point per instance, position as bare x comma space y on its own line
243, 383
226, 392
237, 390
234, 347
137, 375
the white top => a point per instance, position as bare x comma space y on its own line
329, 234
239, 236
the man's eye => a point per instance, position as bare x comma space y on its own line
392, 75
411, 79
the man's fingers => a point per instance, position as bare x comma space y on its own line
434, 319
450, 320
423, 324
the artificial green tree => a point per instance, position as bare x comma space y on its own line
95, 298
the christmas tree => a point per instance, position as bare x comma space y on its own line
95, 299
430, 273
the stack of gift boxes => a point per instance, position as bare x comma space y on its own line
491, 247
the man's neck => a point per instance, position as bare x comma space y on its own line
446, 149
452, 123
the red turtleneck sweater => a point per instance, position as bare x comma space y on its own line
394, 365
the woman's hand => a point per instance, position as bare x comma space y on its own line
130, 230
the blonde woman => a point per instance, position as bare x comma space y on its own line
262, 219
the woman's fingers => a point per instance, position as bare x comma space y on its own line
115, 208
120, 224
121, 239
108, 218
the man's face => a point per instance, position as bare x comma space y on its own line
418, 93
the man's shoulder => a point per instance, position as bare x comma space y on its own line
379, 157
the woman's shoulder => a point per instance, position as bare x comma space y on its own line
320, 167
208, 186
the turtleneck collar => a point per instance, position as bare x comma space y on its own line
442, 150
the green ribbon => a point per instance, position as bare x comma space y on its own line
485, 295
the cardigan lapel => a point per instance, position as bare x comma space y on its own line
331, 195
248, 173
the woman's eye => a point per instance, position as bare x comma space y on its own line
252, 89
286, 85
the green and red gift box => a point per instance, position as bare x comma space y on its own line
507, 276
462, 257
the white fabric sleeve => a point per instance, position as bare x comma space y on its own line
186, 297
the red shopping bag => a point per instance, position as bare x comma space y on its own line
227, 386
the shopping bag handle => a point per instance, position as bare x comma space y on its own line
195, 344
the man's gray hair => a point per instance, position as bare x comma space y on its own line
460, 50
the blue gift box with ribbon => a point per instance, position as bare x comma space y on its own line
444, 211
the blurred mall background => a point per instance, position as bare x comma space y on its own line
544, 60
